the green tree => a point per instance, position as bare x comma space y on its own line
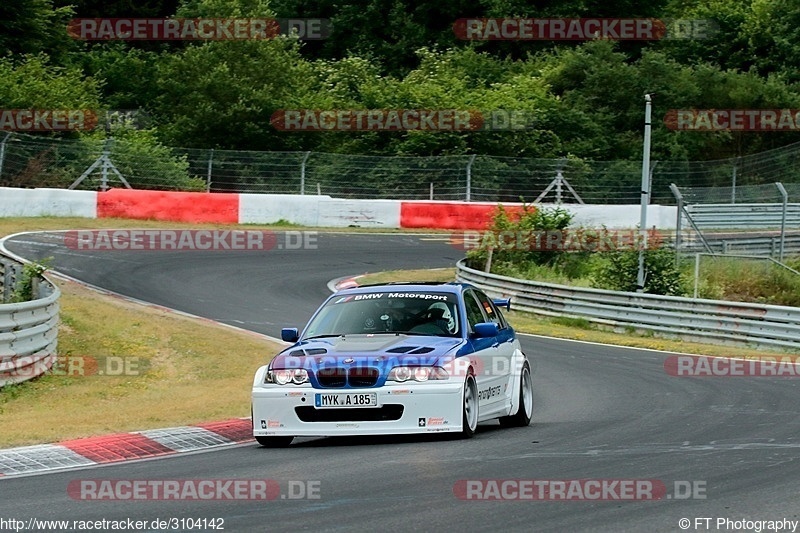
34, 82
34, 26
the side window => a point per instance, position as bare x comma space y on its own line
491, 311
473, 309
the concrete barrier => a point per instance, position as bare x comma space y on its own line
47, 202
306, 210
450, 215
198, 207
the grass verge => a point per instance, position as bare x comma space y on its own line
180, 370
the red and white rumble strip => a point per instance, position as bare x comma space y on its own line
123, 447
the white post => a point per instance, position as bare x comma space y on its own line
208, 171
785, 196
469, 177
303, 174
696, 273
559, 181
3, 151
645, 193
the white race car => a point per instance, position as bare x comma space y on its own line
395, 359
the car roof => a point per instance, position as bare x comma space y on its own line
416, 286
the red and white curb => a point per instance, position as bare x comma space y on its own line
121, 447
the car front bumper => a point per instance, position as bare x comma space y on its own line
403, 408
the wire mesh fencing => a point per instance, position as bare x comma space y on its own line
93, 163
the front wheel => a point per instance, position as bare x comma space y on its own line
524, 412
274, 442
469, 419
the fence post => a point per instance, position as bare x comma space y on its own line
303, 174
3, 151
469, 177
431, 193
678, 222
104, 167
733, 182
785, 195
208, 172
696, 272
559, 182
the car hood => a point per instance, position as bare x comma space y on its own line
376, 349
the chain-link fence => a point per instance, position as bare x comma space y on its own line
95, 164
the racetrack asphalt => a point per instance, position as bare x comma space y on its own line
601, 412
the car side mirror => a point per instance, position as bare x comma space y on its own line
484, 330
290, 334
503, 302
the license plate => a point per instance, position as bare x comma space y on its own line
346, 400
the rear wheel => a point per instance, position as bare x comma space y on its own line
524, 412
469, 422
274, 442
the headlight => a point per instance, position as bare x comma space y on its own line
417, 373
421, 373
298, 376
400, 373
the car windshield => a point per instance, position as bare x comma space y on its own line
404, 312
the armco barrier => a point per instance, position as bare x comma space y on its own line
687, 318
743, 216
28, 331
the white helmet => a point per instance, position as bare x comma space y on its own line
447, 316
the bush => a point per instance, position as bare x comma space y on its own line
619, 271
520, 226
25, 291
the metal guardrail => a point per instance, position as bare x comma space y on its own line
702, 320
743, 216
28, 330
763, 245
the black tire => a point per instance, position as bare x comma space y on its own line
274, 442
522, 417
469, 408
